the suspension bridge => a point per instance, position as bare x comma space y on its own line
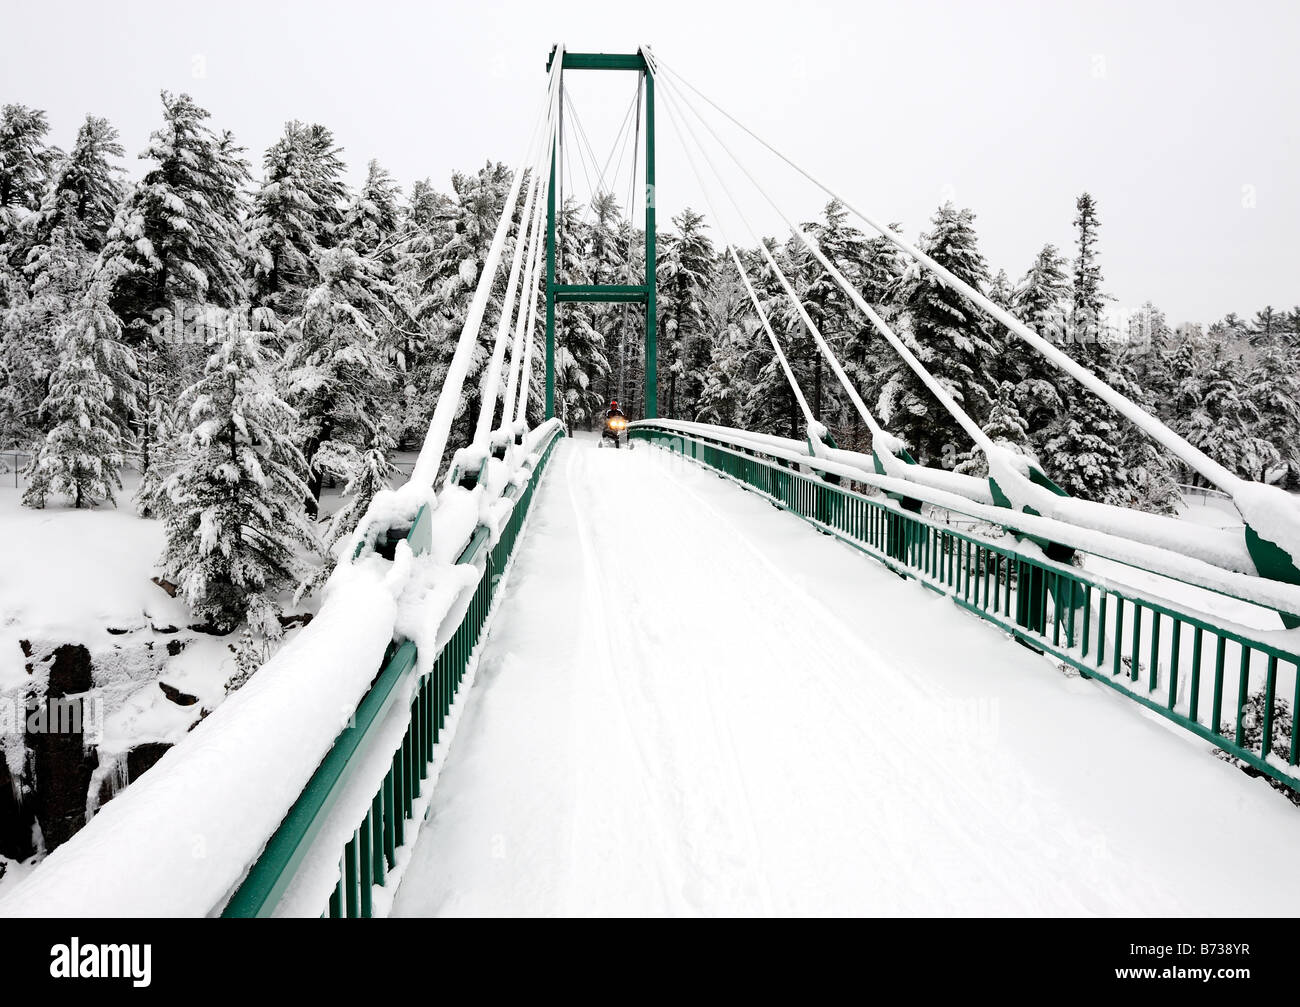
728, 672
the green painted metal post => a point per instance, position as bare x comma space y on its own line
550, 293
651, 314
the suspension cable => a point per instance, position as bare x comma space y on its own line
429, 461
525, 370
1153, 427
492, 384
528, 290
823, 346
811, 421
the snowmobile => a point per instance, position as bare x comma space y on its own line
615, 426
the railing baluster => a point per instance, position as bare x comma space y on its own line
1135, 649
1119, 634
1217, 709
1155, 651
1295, 716
1174, 658
1270, 685
1243, 689
365, 863
350, 903
378, 868
1195, 702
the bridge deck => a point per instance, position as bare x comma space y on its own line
691, 703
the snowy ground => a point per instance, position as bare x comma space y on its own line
692, 703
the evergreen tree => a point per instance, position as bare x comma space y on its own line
1088, 302
82, 191
1273, 388
59, 270
1005, 424
91, 390
949, 336
824, 299
726, 381
1217, 415
685, 271
1041, 297
25, 161
1268, 325
372, 217
234, 504
174, 251
337, 366
1083, 459
175, 238
294, 214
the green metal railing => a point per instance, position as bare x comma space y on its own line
1170, 659
371, 853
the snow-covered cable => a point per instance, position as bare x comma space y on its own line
492, 384
744, 277
876, 431
525, 370
1157, 430
435, 443
528, 293
935, 387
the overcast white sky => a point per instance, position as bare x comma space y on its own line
1179, 117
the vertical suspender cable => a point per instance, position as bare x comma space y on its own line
429, 460
1157, 430
809, 419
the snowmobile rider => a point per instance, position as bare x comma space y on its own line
614, 410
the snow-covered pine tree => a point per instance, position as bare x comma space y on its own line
951, 338
250, 654
82, 192
1041, 299
1087, 301
367, 469
1043, 294
174, 250
91, 393
727, 378
685, 270
1005, 425
1273, 387
824, 300
1083, 459
291, 216
58, 269
373, 215
234, 517
1084, 419
337, 367
1216, 414
1269, 323
175, 238
25, 162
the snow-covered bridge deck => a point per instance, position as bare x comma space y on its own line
691, 703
